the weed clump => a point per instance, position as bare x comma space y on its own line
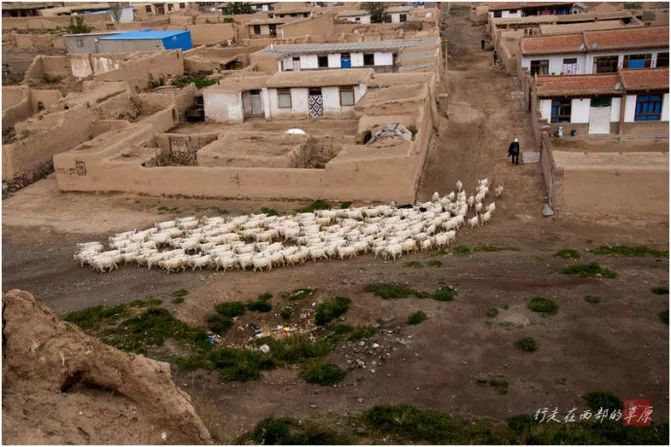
231, 309
317, 205
625, 250
394, 291
299, 294
568, 253
603, 399
362, 332
261, 303
492, 312
543, 305
444, 293
322, 374
664, 316
218, 323
592, 299
527, 344
591, 270
661, 290
331, 309
417, 317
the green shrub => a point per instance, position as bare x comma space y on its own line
362, 332
664, 316
394, 291
271, 431
603, 399
240, 365
269, 211
415, 264
661, 290
178, 300
592, 299
462, 250
444, 293
345, 205
492, 312
521, 422
591, 270
625, 250
93, 317
499, 384
527, 344
288, 431
231, 309
543, 305
417, 317
331, 309
317, 205
299, 294
179, 293
322, 374
286, 313
434, 263
261, 304
568, 253
219, 324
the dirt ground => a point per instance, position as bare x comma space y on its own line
619, 345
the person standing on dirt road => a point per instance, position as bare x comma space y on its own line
494, 57
482, 44
514, 151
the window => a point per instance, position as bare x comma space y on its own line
80, 43
561, 110
512, 11
662, 59
257, 29
403, 17
540, 67
497, 14
182, 5
601, 102
368, 59
147, 8
605, 64
322, 61
346, 96
284, 98
570, 66
638, 61
169, 6
648, 108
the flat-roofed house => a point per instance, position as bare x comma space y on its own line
354, 16
602, 51
398, 14
524, 9
631, 101
286, 95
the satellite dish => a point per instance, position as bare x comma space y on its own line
295, 132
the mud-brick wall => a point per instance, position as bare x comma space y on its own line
138, 72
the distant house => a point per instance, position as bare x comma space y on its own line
524, 9
85, 43
263, 6
286, 95
590, 52
354, 16
290, 13
266, 27
398, 14
145, 40
605, 103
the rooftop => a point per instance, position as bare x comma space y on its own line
504, 6
592, 41
602, 84
307, 48
144, 34
399, 9
353, 13
288, 79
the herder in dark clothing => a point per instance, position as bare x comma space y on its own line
494, 57
482, 44
514, 151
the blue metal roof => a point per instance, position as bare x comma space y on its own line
145, 34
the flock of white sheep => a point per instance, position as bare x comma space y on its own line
261, 242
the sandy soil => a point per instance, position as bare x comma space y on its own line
619, 344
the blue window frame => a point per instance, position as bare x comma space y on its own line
648, 108
561, 110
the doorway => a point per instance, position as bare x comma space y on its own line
599, 116
315, 102
251, 103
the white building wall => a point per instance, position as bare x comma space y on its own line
545, 109
395, 17
364, 20
331, 97
223, 107
580, 110
309, 61
359, 92
334, 60
299, 100
586, 61
556, 62
357, 59
383, 59
665, 107
630, 109
615, 110
506, 14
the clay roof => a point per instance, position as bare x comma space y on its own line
240, 84
287, 79
399, 9
268, 21
643, 37
564, 43
593, 41
338, 47
602, 84
504, 6
652, 79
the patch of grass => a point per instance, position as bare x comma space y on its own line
625, 250
417, 317
93, 317
492, 312
568, 253
520, 423
178, 300
269, 211
660, 290
527, 344
603, 399
499, 384
415, 264
179, 293
345, 205
288, 431
240, 365
299, 294
231, 309
286, 313
433, 263
362, 332
322, 374
444, 293
591, 270
543, 305
218, 323
394, 291
330, 309
261, 303
462, 250
199, 81
592, 299
493, 248
664, 316
317, 205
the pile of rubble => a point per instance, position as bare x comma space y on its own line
395, 131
